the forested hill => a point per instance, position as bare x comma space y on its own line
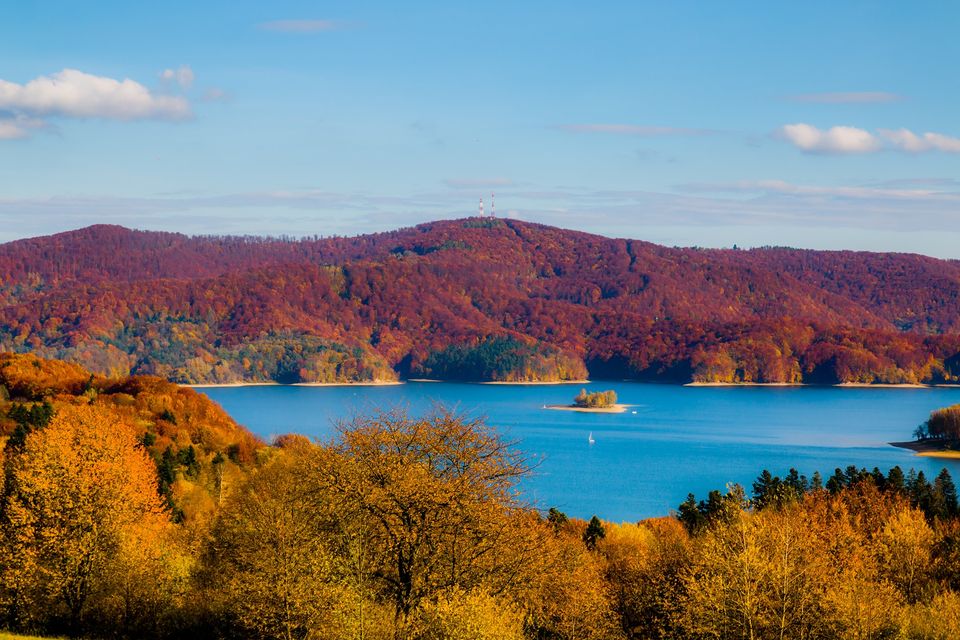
475, 299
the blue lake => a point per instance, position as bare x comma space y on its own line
674, 439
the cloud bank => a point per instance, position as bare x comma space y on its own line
851, 140
906, 140
915, 206
834, 140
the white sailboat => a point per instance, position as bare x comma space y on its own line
590, 439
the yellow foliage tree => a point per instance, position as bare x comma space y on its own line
81, 502
568, 597
906, 542
431, 502
644, 564
758, 576
269, 567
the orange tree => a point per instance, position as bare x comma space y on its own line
80, 496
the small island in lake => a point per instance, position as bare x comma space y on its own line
939, 436
596, 402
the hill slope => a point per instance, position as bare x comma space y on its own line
475, 299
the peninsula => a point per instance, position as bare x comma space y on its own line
939, 436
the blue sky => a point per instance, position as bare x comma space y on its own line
821, 124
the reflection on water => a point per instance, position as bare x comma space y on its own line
642, 464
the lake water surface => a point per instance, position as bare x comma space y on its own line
674, 439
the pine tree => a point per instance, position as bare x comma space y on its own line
944, 495
895, 480
594, 533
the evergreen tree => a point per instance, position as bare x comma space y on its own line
557, 519
895, 481
921, 493
188, 458
836, 482
944, 495
594, 533
879, 479
816, 482
690, 515
797, 482
763, 488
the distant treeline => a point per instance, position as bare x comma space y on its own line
134, 508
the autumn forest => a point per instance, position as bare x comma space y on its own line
476, 299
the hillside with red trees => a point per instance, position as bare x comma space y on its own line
475, 299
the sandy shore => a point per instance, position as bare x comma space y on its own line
364, 383
538, 382
225, 385
880, 385
840, 385
368, 383
616, 408
927, 449
744, 384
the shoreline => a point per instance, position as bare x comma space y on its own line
883, 385
362, 383
533, 382
378, 383
224, 385
838, 385
231, 385
745, 384
927, 449
617, 408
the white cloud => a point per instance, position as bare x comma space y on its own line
906, 140
849, 97
300, 26
183, 76
633, 130
833, 140
76, 94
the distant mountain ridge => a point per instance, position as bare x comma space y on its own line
517, 300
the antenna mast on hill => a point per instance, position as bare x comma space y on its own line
493, 205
